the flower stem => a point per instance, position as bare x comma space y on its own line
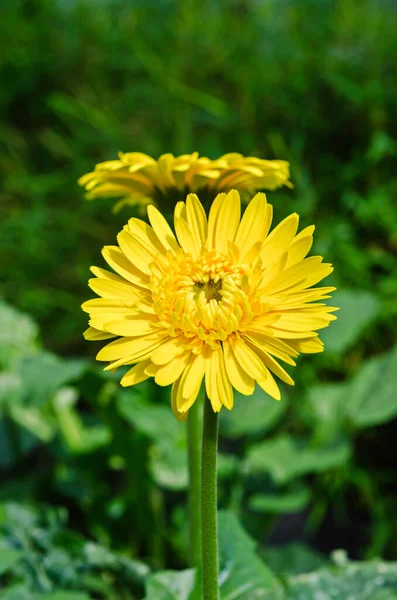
209, 503
194, 453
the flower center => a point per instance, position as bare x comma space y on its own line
206, 299
211, 289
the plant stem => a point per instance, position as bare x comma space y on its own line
194, 453
209, 503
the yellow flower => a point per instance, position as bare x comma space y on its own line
222, 300
137, 178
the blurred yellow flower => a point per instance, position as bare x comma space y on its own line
222, 300
137, 178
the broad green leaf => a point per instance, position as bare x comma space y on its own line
167, 455
346, 580
372, 397
228, 465
293, 558
44, 373
66, 595
251, 415
17, 592
36, 419
173, 585
8, 557
10, 390
79, 438
326, 412
154, 420
290, 501
286, 458
242, 575
358, 309
168, 464
18, 335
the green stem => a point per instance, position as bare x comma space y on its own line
209, 503
194, 453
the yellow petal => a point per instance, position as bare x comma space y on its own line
279, 239
185, 237
180, 416
169, 350
96, 335
300, 246
197, 220
135, 251
270, 363
146, 236
308, 346
249, 360
225, 389
167, 374
136, 374
133, 326
190, 382
133, 348
211, 381
238, 377
255, 223
107, 288
162, 229
227, 221
212, 220
119, 262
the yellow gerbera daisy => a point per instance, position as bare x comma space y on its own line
221, 300
137, 178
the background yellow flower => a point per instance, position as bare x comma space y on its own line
137, 178
222, 300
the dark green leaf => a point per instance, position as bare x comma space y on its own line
18, 335
286, 458
290, 501
251, 415
242, 576
372, 397
346, 580
357, 310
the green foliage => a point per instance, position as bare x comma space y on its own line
40, 557
373, 580
308, 82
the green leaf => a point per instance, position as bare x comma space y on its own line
286, 458
44, 373
372, 398
10, 390
346, 580
326, 405
293, 559
8, 558
66, 595
154, 420
173, 585
17, 592
80, 439
242, 574
18, 335
168, 465
264, 412
357, 310
167, 455
290, 501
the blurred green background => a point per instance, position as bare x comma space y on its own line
313, 82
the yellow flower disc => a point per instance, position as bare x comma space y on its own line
222, 300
